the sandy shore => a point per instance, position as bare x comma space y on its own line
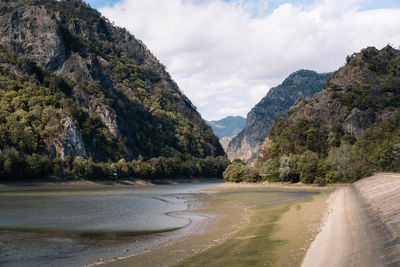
245, 219
279, 186
362, 225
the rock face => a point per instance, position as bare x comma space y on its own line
32, 31
71, 141
114, 98
224, 141
302, 83
359, 95
357, 121
228, 126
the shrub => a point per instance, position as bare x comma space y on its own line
239, 172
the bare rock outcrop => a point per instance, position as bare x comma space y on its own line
68, 141
357, 121
32, 31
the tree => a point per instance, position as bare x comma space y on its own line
284, 168
340, 159
307, 166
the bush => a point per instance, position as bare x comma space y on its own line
239, 172
13, 165
360, 169
321, 181
39, 166
307, 166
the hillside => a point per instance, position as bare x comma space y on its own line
73, 85
344, 132
302, 83
228, 126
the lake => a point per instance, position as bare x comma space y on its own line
74, 226
78, 226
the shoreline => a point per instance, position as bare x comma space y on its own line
231, 217
106, 182
280, 185
221, 217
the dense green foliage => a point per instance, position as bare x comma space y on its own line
309, 152
30, 112
238, 171
380, 145
15, 166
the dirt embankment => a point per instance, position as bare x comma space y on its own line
362, 225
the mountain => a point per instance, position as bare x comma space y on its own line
302, 83
344, 132
224, 141
72, 84
228, 126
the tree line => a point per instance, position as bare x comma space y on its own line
16, 166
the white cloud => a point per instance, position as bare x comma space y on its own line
226, 55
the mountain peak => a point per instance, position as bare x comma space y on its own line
302, 83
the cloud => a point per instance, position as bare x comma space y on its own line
225, 55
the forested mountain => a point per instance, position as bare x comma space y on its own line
227, 126
302, 83
344, 132
73, 85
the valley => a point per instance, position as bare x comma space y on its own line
109, 155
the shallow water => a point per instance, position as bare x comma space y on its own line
70, 226
77, 226
134, 209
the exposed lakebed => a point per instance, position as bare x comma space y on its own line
61, 225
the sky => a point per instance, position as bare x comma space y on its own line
226, 54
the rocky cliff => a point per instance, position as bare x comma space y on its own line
76, 85
302, 83
362, 93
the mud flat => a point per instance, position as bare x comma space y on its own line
362, 225
249, 225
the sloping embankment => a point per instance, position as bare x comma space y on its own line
362, 226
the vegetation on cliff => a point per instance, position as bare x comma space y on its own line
73, 86
343, 133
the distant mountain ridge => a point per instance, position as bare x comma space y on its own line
302, 83
227, 126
